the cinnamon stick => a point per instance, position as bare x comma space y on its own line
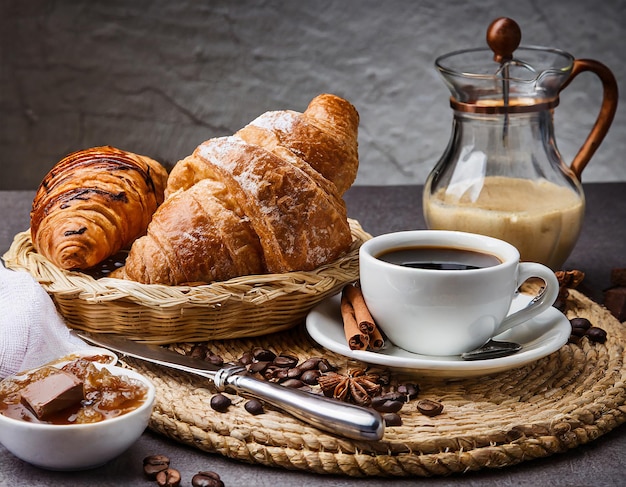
376, 340
357, 340
363, 317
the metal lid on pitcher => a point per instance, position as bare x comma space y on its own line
505, 77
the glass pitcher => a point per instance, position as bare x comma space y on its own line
501, 173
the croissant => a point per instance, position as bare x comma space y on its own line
253, 203
325, 136
94, 203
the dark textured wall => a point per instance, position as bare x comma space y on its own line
159, 77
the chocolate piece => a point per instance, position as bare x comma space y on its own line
615, 302
53, 392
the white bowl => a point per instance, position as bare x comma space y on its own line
78, 446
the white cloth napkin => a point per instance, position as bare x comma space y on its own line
32, 332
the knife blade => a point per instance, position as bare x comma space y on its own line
327, 414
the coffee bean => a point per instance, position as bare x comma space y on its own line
310, 376
280, 374
220, 403
310, 363
199, 351
392, 396
154, 464
578, 332
258, 367
254, 407
263, 354
246, 358
410, 390
293, 383
270, 372
325, 366
387, 406
392, 419
582, 323
294, 373
429, 408
378, 401
285, 361
168, 478
580, 326
206, 479
596, 334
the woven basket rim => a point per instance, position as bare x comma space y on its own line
22, 256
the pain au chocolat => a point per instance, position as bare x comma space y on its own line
93, 203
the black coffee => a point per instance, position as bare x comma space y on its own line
439, 258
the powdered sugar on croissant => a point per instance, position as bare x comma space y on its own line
275, 187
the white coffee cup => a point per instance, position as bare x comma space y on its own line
448, 312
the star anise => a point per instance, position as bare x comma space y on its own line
570, 279
354, 386
567, 280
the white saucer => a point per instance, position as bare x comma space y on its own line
539, 337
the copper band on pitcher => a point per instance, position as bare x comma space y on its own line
498, 108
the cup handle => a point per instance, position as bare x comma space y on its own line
607, 110
546, 297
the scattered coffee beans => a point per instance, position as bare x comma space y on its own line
254, 407
293, 383
258, 367
263, 355
199, 351
310, 376
202, 352
386, 404
168, 478
429, 407
283, 361
582, 327
206, 479
596, 334
284, 369
392, 419
310, 363
154, 464
409, 390
220, 403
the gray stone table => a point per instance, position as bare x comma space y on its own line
602, 462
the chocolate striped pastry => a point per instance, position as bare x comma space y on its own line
93, 203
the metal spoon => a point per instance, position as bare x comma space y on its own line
492, 349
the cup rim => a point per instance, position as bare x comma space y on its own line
506, 253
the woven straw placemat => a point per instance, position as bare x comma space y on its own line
564, 400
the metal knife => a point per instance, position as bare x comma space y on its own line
322, 412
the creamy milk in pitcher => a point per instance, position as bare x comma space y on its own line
502, 174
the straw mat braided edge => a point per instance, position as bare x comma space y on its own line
560, 402
239, 307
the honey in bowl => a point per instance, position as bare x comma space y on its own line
75, 393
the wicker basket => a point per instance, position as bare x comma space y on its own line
240, 307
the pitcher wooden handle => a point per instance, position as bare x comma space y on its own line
605, 117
